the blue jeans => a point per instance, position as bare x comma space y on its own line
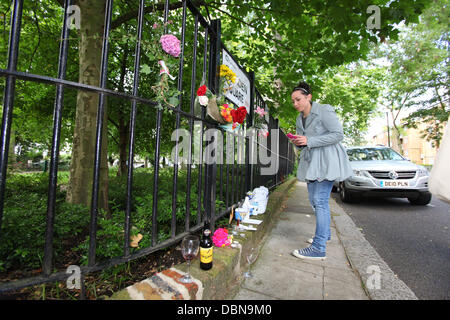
319, 195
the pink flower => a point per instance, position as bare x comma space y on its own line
263, 133
170, 44
221, 238
260, 111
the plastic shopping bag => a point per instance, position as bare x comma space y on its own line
439, 181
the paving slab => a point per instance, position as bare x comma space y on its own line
279, 275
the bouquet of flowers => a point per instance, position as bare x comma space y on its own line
163, 53
221, 238
259, 122
229, 78
226, 114
238, 115
207, 99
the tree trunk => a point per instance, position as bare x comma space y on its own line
395, 136
11, 152
83, 149
395, 140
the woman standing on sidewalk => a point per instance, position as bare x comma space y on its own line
323, 160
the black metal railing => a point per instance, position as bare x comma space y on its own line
224, 183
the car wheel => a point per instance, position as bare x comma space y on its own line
344, 195
422, 200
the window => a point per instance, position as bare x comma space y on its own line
367, 154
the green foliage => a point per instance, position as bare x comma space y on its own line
24, 220
288, 41
23, 231
354, 91
110, 232
23, 227
38, 54
284, 40
417, 72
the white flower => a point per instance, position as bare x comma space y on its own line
203, 100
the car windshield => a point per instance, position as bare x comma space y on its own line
365, 154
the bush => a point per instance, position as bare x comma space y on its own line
110, 232
24, 222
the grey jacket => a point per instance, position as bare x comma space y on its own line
324, 158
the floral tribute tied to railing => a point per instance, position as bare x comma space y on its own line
226, 114
163, 52
259, 122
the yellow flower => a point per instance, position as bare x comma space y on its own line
227, 73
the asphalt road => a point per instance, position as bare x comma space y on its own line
413, 240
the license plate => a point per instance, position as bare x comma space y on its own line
394, 184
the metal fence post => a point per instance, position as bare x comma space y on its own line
99, 133
133, 115
54, 159
249, 140
8, 100
213, 84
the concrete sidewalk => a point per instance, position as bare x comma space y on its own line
352, 270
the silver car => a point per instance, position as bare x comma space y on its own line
380, 171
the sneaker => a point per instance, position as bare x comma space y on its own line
309, 254
310, 240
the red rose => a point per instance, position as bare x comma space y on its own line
201, 91
239, 114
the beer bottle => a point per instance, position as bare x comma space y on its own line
206, 250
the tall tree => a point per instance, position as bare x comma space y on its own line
300, 39
354, 90
33, 110
417, 74
83, 147
429, 44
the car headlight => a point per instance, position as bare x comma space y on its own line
422, 172
359, 173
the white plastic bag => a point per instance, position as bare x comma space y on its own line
439, 181
260, 199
